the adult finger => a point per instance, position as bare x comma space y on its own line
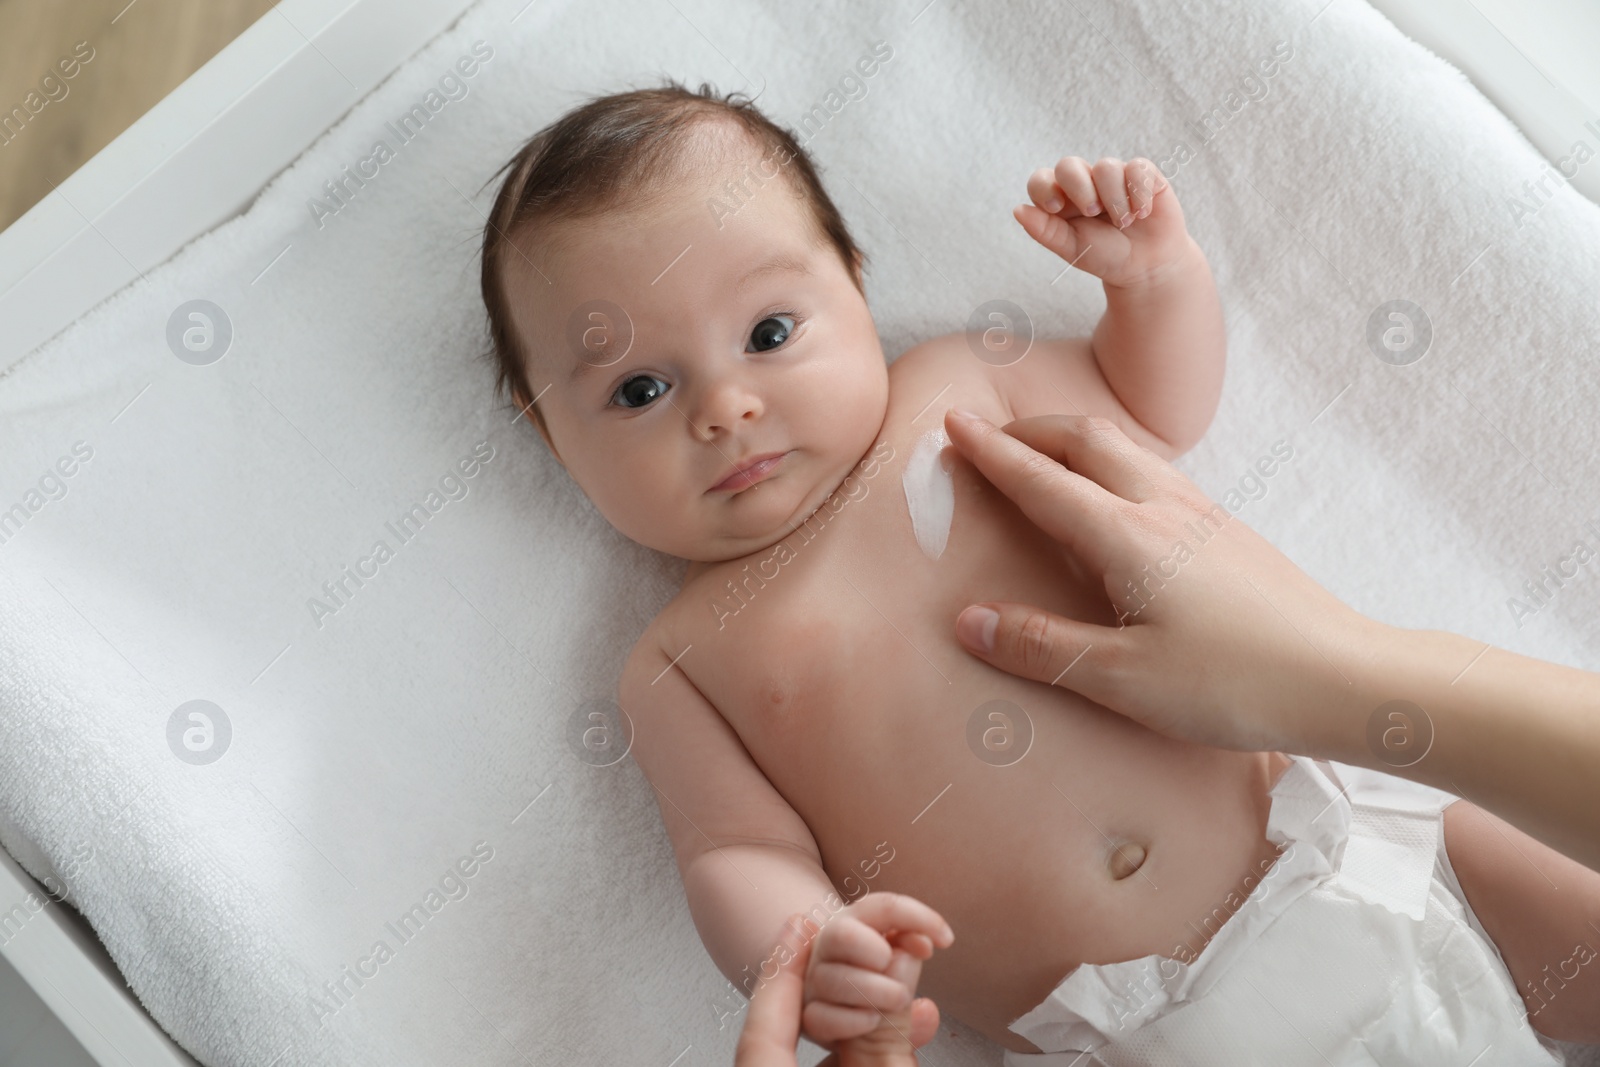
924, 1021
1097, 449
1030, 642
1067, 505
924, 1013
772, 1022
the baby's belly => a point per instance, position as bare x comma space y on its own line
1056, 834
1102, 842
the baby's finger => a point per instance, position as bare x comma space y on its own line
1110, 183
919, 945
1144, 182
1058, 234
857, 987
1042, 191
827, 1023
890, 912
1072, 176
848, 940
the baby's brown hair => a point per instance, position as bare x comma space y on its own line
625, 151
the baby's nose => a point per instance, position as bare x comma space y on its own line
727, 405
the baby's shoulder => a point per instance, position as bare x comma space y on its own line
682, 622
945, 351
942, 372
662, 646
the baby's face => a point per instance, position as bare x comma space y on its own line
736, 354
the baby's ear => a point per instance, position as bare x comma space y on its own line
538, 420
531, 412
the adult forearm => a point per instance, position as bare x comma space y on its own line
1161, 346
1517, 736
740, 896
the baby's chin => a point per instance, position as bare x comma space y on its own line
756, 524
713, 543
736, 543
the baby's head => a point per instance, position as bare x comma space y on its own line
672, 294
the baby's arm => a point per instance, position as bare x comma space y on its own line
746, 858
1542, 910
1160, 346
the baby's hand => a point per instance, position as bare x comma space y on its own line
862, 975
1118, 221
894, 1041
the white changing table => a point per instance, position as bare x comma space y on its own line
201, 155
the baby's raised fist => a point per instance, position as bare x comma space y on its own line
1125, 192
1118, 221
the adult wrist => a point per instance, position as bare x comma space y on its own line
1364, 668
1400, 694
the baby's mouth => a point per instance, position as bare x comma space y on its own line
749, 472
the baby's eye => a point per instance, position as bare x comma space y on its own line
771, 332
633, 394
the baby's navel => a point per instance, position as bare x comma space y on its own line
1126, 857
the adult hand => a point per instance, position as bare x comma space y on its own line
1221, 640
772, 1027
1219, 636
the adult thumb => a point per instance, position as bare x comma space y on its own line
1033, 643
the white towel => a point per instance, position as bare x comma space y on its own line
375, 746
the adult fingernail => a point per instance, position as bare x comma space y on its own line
963, 413
976, 627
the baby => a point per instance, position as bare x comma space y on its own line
677, 306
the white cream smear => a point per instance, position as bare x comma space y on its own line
930, 492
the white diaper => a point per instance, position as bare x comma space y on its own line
1356, 948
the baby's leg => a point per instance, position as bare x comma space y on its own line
1542, 911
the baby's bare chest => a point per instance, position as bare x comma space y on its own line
834, 652
847, 626
836, 663
833, 656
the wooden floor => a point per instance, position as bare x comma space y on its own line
127, 56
